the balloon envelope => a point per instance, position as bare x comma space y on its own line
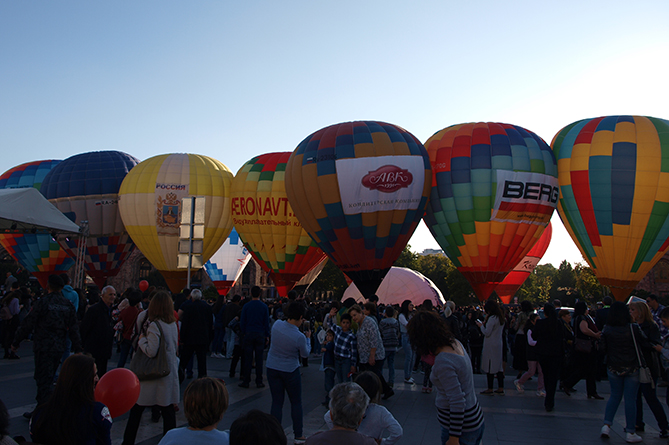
228, 263
150, 205
512, 282
118, 389
266, 222
401, 284
85, 188
38, 253
360, 189
614, 195
494, 190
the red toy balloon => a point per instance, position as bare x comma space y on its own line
143, 285
118, 389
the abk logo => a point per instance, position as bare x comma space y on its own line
387, 179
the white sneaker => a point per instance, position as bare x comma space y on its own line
606, 432
518, 386
541, 393
633, 438
409, 381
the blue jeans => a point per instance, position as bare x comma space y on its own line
280, 383
469, 438
342, 368
126, 353
390, 358
230, 346
217, 343
626, 386
329, 382
253, 343
409, 356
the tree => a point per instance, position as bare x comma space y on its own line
587, 284
536, 289
407, 259
330, 279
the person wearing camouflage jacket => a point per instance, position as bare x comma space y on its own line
51, 319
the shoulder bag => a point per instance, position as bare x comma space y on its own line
151, 368
581, 344
645, 375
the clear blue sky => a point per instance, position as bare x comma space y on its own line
232, 80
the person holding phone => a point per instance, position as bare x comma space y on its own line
288, 346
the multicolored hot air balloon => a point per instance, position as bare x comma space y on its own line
38, 253
85, 188
227, 264
266, 222
360, 189
493, 193
614, 195
150, 205
512, 282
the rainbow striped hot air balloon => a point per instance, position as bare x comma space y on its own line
227, 264
85, 188
38, 253
493, 193
360, 189
266, 222
512, 282
150, 205
614, 195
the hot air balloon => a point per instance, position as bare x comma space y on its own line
614, 195
85, 188
150, 205
401, 284
360, 189
266, 222
493, 193
38, 253
512, 282
227, 264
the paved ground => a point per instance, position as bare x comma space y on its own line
511, 419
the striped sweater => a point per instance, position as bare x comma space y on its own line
458, 409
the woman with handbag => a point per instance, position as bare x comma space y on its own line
641, 314
619, 341
158, 342
584, 355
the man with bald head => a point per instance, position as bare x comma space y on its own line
97, 330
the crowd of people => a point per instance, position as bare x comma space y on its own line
74, 335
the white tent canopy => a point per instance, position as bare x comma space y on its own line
25, 210
401, 284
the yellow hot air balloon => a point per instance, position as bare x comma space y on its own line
266, 222
150, 206
614, 195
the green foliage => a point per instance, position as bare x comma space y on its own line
407, 259
536, 289
210, 293
330, 279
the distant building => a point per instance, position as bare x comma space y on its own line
432, 252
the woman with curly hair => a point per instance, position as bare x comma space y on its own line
458, 409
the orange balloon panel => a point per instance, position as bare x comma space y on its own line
512, 282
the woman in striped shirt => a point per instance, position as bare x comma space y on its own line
458, 409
